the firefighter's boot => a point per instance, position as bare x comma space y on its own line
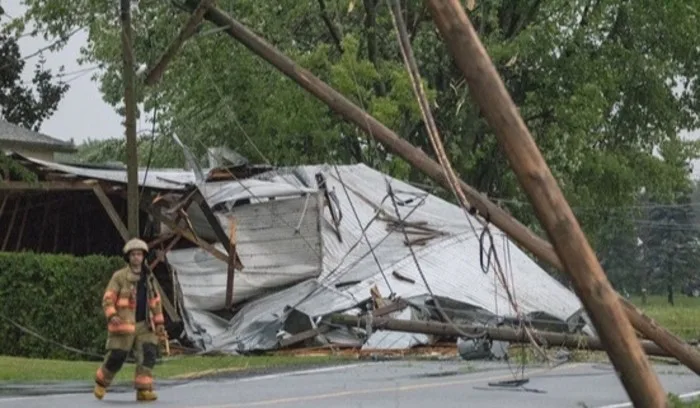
146, 395
99, 391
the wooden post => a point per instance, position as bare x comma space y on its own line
12, 223
130, 119
44, 222
22, 226
418, 159
553, 211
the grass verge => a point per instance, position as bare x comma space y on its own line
18, 369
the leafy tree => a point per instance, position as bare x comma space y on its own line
26, 105
23, 104
601, 85
670, 234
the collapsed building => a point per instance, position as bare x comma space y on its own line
254, 258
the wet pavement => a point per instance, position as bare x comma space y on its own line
404, 384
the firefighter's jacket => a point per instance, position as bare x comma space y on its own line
120, 299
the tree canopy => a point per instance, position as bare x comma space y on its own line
604, 86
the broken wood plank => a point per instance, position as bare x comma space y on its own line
42, 185
186, 32
160, 254
12, 223
109, 207
214, 223
21, 229
165, 301
162, 238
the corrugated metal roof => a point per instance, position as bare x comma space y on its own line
162, 179
11, 133
450, 262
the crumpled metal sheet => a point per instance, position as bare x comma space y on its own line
448, 260
278, 241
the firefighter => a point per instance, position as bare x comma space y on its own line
135, 323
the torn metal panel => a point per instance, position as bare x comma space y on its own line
278, 241
259, 324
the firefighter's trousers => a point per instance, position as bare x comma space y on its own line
144, 343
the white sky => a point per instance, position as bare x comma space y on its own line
82, 114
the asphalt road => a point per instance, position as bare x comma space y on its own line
402, 384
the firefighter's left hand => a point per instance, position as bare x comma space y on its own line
161, 333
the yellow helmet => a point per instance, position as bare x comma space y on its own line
135, 244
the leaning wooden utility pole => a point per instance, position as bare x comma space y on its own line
551, 207
420, 160
132, 162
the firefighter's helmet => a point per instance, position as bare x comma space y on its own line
135, 244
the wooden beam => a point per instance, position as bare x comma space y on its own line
418, 159
162, 238
21, 229
590, 283
228, 243
111, 211
12, 223
212, 220
41, 186
44, 222
167, 304
130, 119
2, 206
186, 32
188, 235
161, 252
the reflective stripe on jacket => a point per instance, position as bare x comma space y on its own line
120, 300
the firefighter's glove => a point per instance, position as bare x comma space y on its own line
161, 333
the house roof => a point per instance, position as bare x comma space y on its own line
18, 135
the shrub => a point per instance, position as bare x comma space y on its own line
57, 296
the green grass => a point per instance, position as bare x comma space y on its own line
17, 369
683, 319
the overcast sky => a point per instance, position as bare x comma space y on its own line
82, 114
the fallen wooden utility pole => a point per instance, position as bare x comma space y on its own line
130, 120
502, 333
590, 283
417, 158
